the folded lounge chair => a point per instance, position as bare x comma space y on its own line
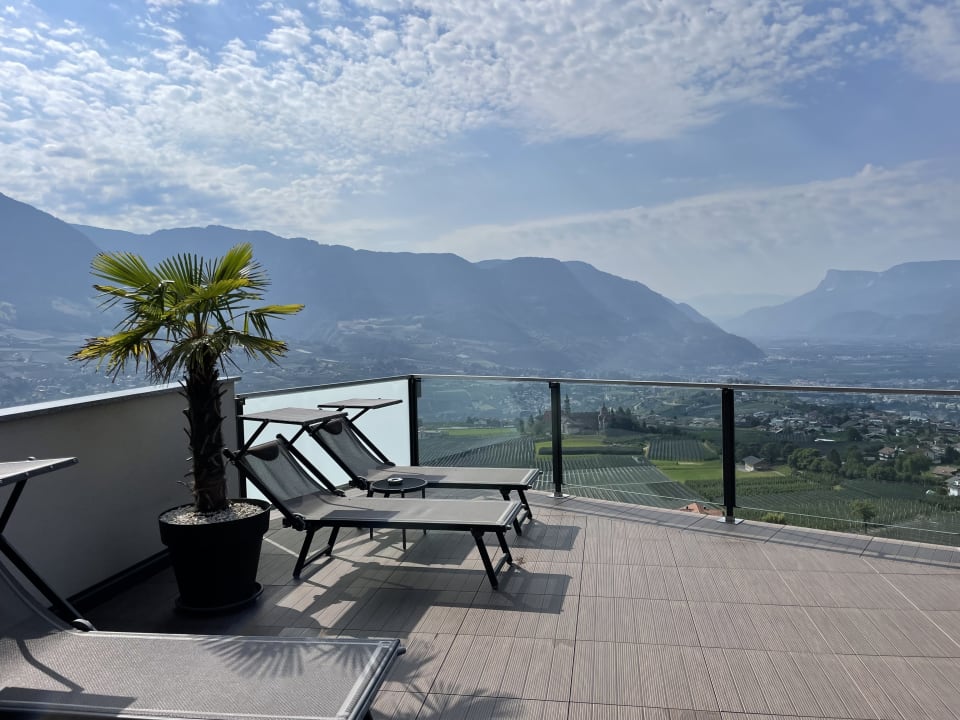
310, 502
366, 464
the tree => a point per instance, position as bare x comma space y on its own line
910, 467
882, 471
834, 457
853, 465
183, 319
804, 459
771, 452
825, 466
865, 510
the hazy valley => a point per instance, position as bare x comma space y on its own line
374, 314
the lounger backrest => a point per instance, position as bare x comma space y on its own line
275, 472
340, 440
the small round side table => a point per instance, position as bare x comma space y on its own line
389, 486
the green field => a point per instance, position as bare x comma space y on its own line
686, 471
592, 468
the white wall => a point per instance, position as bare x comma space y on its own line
80, 525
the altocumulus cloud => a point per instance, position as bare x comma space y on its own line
311, 101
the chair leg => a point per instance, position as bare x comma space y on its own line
304, 549
504, 547
485, 557
333, 538
507, 558
505, 494
526, 505
303, 560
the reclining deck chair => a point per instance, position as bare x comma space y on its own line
366, 464
48, 669
309, 502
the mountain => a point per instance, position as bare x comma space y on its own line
530, 313
912, 302
722, 307
526, 312
43, 283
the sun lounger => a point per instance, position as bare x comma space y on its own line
310, 502
49, 668
365, 464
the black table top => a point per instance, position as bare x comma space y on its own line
406, 485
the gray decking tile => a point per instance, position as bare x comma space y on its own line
616, 611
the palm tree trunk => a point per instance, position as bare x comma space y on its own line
204, 427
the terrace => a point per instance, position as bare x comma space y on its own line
613, 608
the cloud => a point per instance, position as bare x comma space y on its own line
932, 42
179, 3
776, 240
276, 124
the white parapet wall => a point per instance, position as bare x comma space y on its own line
84, 524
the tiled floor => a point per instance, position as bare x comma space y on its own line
616, 611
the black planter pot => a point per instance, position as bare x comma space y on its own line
216, 563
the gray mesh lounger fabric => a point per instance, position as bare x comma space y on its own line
366, 464
309, 502
50, 670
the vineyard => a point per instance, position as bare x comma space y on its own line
481, 450
748, 484
681, 449
903, 510
683, 469
590, 469
622, 478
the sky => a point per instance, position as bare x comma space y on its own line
733, 146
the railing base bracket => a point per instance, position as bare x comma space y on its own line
730, 520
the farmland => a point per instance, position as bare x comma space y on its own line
484, 449
591, 468
679, 448
672, 470
624, 478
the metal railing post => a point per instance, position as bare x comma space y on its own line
728, 462
556, 430
237, 412
413, 392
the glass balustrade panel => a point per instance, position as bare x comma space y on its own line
882, 465
476, 422
642, 445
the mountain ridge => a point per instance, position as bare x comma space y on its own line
536, 313
910, 302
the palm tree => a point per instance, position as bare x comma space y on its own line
187, 315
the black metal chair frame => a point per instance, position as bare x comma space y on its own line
310, 526
316, 431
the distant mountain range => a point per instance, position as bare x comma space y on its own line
721, 307
912, 302
526, 313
